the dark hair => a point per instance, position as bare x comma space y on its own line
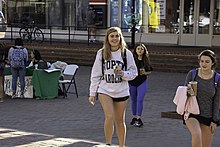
37, 55
145, 57
210, 54
18, 42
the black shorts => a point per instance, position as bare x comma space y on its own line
201, 119
120, 99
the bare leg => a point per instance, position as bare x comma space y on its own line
120, 108
206, 136
107, 105
194, 127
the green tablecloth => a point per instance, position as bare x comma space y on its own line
45, 84
29, 71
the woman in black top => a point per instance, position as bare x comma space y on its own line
138, 86
36, 59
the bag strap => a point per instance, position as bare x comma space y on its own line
194, 73
217, 75
14, 47
124, 58
103, 61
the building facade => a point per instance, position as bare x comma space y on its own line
180, 22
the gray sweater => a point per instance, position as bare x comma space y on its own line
207, 96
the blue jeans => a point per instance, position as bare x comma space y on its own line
18, 72
137, 97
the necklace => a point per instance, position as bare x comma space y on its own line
206, 75
139, 57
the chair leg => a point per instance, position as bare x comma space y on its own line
64, 91
76, 92
76, 89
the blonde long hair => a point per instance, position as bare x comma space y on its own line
107, 47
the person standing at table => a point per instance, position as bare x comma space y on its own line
18, 56
109, 79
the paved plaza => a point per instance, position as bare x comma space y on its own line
73, 122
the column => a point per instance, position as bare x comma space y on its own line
0, 5
218, 7
145, 16
119, 12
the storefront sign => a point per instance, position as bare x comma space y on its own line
114, 13
162, 4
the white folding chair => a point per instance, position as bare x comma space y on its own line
69, 79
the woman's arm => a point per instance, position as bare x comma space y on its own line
131, 72
188, 78
96, 73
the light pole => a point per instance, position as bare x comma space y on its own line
133, 24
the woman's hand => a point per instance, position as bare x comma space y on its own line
121, 73
148, 72
213, 127
190, 91
92, 100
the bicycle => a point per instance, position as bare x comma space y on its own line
31, 33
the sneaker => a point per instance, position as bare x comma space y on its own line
90, 40
13, 96
22, 96
133, 121
1, 99
139, 123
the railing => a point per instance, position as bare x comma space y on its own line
57, 33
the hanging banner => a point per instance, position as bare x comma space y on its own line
154, 14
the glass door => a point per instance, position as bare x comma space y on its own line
195, 26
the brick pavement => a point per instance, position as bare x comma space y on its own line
72, 122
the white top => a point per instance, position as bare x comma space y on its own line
110, 85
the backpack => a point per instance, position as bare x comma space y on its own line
124, 58
217, 75
17, 57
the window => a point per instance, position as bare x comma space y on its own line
216, 19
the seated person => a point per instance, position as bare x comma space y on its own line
36, 59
